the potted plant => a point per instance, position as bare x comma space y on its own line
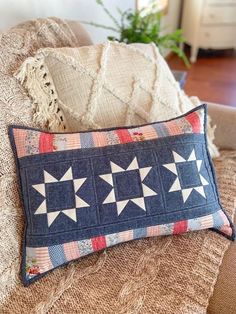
140, 26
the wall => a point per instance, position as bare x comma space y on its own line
171, 20
15, 11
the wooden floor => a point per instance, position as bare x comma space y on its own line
212, 77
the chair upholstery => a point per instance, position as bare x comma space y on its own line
224, 117
223, 300
80, 33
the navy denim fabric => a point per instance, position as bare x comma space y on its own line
99, 218
115, 188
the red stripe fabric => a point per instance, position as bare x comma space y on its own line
180, 226
193, 119
45, 143
99, 243
124, 136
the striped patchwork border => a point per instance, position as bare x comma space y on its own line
32, 142
39, 260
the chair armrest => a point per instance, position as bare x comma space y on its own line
224, 117
80, 33
223, 300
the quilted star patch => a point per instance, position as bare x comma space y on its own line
83, 192
52, 189
128, 182
187, 167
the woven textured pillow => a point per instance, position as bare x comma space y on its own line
86, 191
106, 85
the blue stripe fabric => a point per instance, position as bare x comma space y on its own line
57, 255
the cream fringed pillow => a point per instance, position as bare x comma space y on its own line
105, 85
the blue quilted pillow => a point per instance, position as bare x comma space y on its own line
86, 191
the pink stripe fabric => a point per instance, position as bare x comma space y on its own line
71, 250
43, 259
20, 141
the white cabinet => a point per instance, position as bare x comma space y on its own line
209, 24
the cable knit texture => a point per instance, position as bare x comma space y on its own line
157, 275
15, 106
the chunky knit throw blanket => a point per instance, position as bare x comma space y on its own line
15, 107
157, 275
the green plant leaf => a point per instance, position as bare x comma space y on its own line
139, 27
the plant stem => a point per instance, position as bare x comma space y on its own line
100, 2
101, 26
